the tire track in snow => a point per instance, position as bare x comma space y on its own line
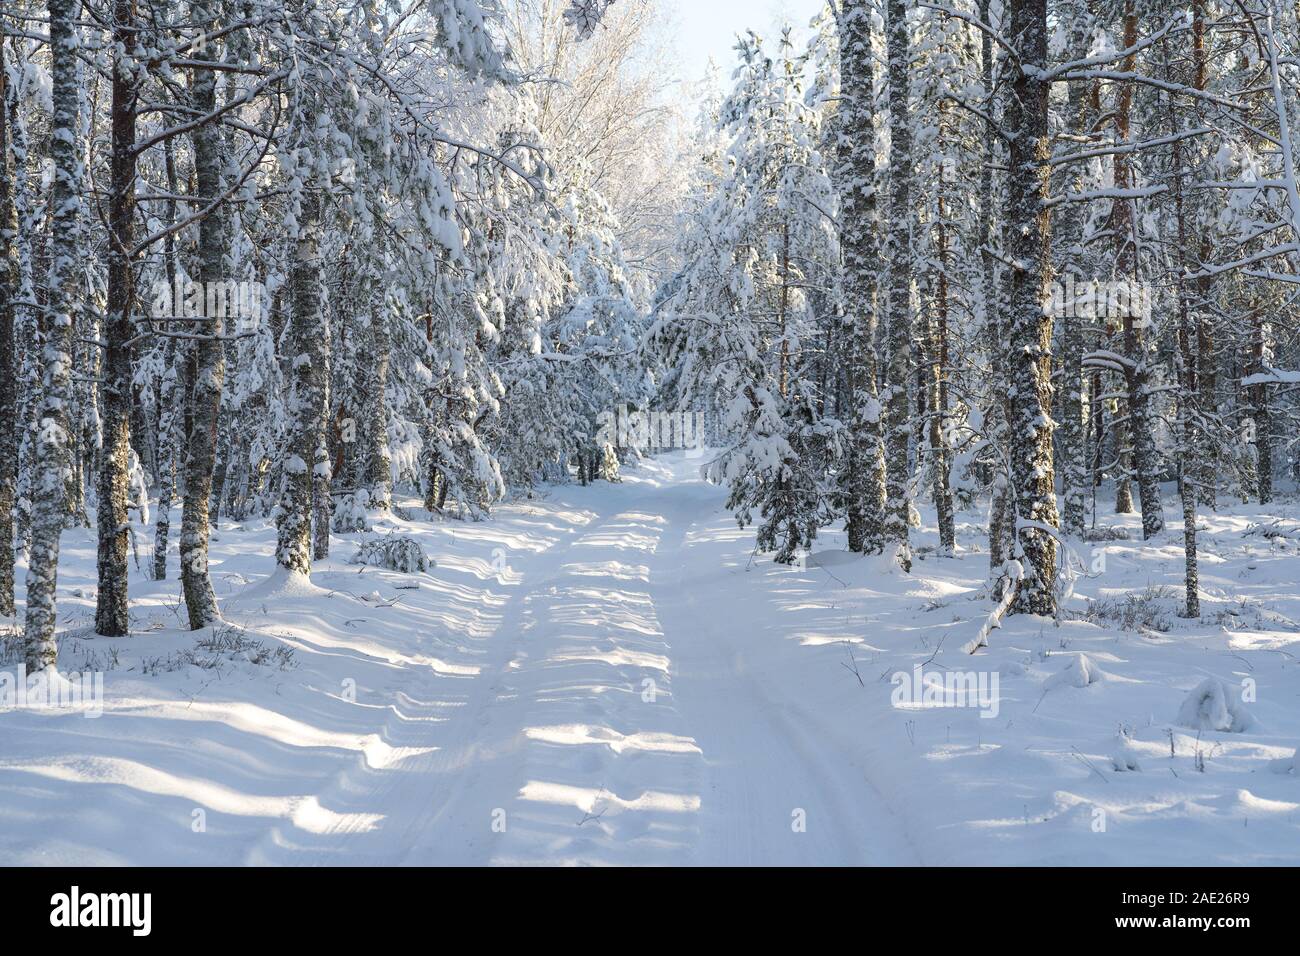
767, 760
570, 758
405, 796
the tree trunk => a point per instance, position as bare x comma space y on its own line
1206, 380
111, 607
26, 325
899, 256
991, 300
939, 459
169, 433
1145, 457
54, 438
321, 472
9, 269
1029, 338
855, 180
209, 360
172, 398
1072, 449
1187, 399
378, 462
308, 347
1260, 411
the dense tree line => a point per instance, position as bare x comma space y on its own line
1004, 255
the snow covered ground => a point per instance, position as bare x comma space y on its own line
607, 675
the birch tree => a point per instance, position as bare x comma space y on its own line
53, 449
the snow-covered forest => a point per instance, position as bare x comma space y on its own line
431, 432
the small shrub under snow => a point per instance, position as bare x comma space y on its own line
395, 552
1080, 672
1151, 609
1105, 534
1124, 761
1213, 705
350, 513
225, 645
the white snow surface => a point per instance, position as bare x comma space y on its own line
607, 675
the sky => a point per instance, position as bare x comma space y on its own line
708, 28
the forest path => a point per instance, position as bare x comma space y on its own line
781, 788
630, 709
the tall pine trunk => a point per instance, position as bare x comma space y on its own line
1186, 367
899, 265
855, 180
938, 389
173, 399
111, 606
293, 521
1072, 450
1144, 455
209, 358
377, 462
1029, 332
991, 297
9, 279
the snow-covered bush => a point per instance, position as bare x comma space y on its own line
608, 468
12, 645
350, 513
1212, 705
1080, 672
1105, 534
395, 552
1124, 761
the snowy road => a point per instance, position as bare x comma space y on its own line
777, 789
622, 717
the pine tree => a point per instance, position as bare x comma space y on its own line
864, 481
1029, 327
899, 268
112, 618
9, 292
204, 389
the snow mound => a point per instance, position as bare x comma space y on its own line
280, 583
1289, 764
1212, 706
1080, 672
1124, 761
831, 558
